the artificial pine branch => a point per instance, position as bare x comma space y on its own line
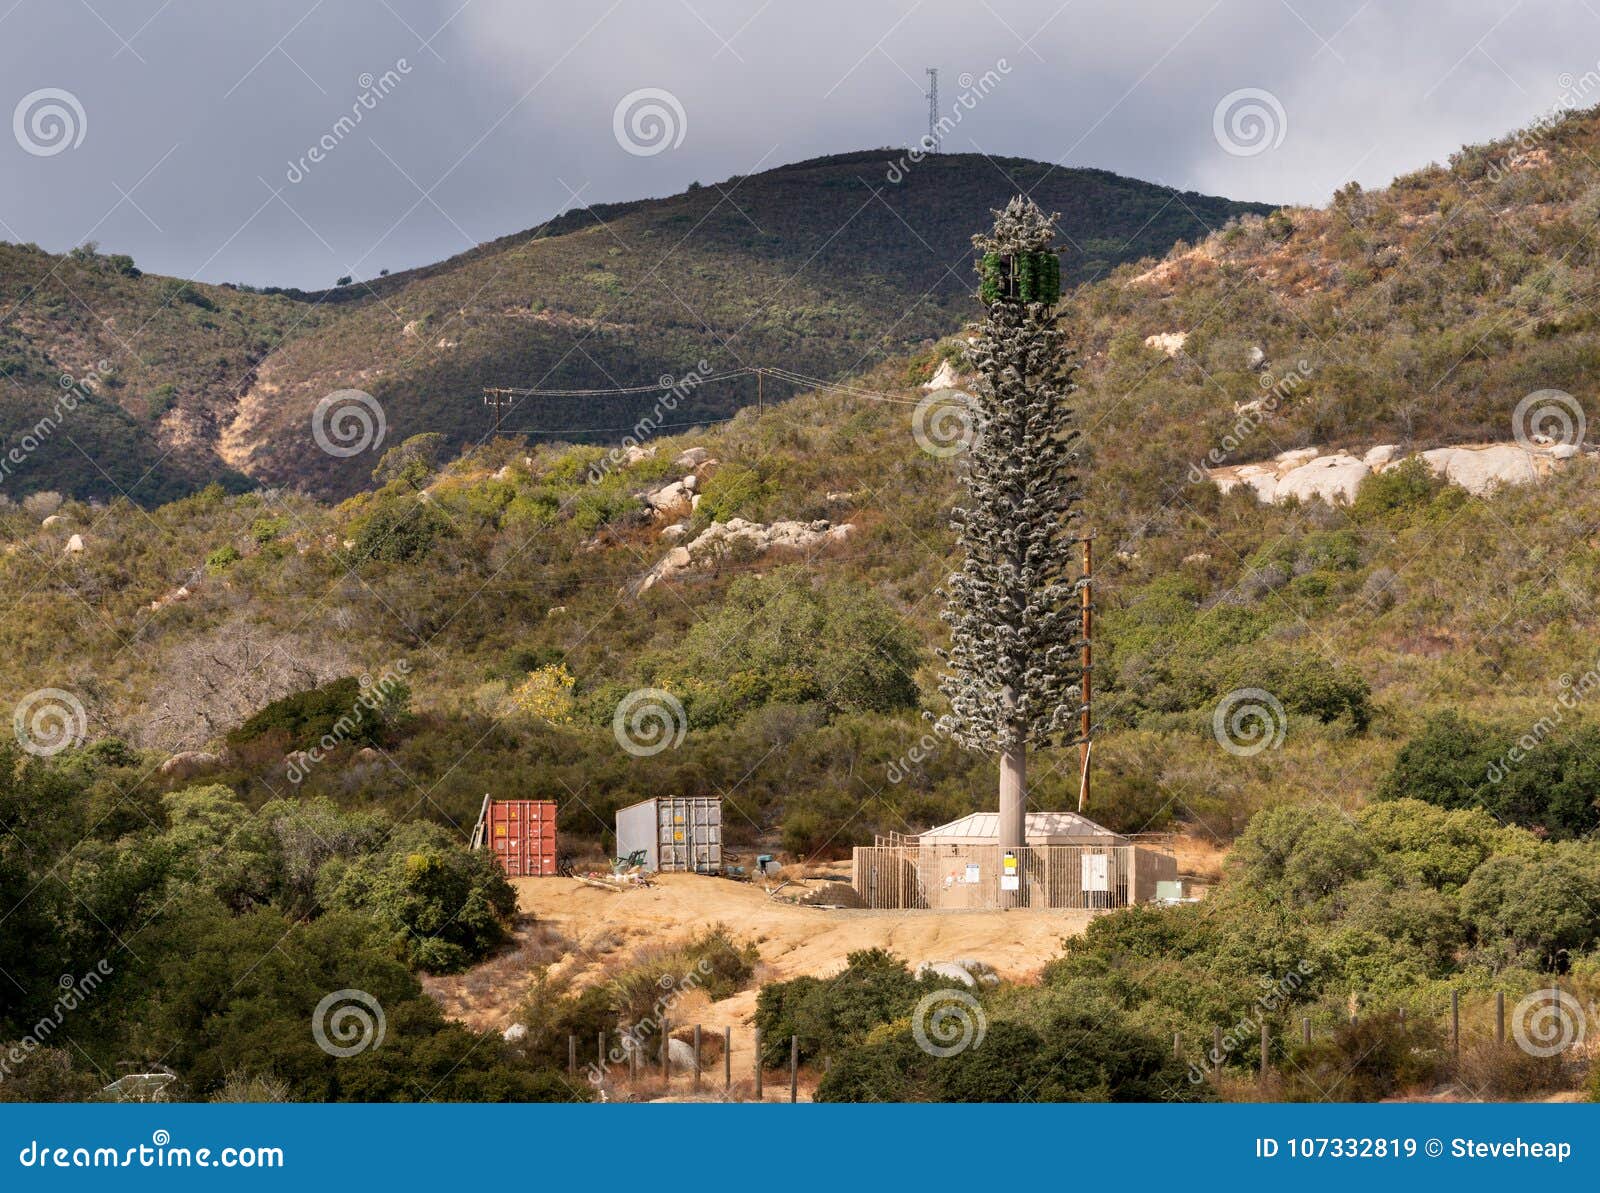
1013, 668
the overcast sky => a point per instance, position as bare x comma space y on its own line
182, 131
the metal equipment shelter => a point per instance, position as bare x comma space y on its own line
1069, 862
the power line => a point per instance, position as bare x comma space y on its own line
698, 422
871, 395
666, 383
503, 398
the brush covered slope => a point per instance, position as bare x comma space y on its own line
1409, 789
824, 267
524, 560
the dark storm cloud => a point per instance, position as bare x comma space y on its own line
295, 141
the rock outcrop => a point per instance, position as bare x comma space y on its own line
944, 377
672, 501
187, 763
1479, 469
1332, 478
719, 538
181, 593
1309, 472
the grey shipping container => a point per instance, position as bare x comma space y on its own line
676, 832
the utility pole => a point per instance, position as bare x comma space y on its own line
496, 398
761, 402
1085, 725
933, 109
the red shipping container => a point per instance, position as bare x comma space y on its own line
522, 834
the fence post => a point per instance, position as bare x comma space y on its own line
1455, 1021
758, 1064
572, 1056
634, 1057
697, 1056
1264, 1043
1499, 1016
727, 1059
600, 1056
1216, 1055
794, 1068
1177, 1046
1305, 1029
1402, 1018
666, 1051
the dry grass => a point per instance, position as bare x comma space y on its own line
488, 994
1200, 858
1504, 1072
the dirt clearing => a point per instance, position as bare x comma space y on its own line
597, 929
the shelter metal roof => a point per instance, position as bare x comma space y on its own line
1040, 826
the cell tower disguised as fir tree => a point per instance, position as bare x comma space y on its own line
1014, 668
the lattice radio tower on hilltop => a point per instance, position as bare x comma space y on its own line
933, 108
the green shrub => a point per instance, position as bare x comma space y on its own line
411, 463
343, 712
874, 988
711, 961
442, 905
1299, 854
1404, 486
1430, 845
732, 491
1377, 1056
1543, 780
264, 530
400, 530
783, 639
1543, 904
1447, 764
277, 856
220, 559
231, 993
552, 1015
47, 1075
1302, 680
1075, 1058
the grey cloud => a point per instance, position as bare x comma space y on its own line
201, 115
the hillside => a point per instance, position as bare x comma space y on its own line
1417, 595
823, 267
1416, 810
116, 382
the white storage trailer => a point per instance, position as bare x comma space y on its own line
676, 833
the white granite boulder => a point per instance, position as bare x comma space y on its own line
1333, 478
1479, 469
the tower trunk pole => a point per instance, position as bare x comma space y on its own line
1013, 815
